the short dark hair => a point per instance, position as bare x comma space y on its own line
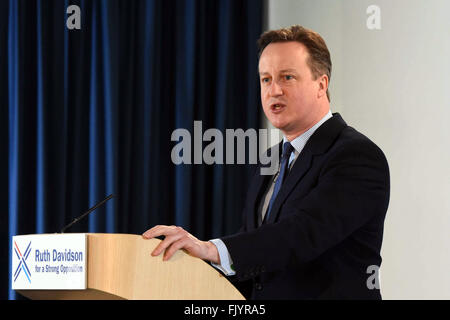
319, 60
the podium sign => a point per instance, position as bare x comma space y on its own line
49, 261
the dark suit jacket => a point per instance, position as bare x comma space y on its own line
326, 225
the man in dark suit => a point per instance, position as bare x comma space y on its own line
312, 230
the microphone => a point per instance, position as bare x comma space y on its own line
87, 212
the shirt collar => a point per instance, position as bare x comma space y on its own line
300, 142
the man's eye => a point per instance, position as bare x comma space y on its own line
265, 80
289, 77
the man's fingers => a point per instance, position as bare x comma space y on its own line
157, 231
171, 233
177, 245
166, 243
176, 238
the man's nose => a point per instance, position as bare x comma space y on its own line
275, 89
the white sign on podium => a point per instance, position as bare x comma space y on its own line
49, 262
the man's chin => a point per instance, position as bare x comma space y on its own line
279, 125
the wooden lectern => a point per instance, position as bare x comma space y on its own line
120, 266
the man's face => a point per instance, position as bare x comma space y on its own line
289, 94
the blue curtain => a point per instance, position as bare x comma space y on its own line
90, 112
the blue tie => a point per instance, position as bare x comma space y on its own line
287, 150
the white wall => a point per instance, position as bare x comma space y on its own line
393, 85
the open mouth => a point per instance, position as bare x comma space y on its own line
277, 107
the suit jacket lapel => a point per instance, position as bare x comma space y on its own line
298, 170
319, 142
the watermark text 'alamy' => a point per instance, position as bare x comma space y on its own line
235, 140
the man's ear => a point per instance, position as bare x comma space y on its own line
323, 86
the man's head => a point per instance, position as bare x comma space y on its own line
294, 69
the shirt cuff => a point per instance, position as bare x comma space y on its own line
226, 264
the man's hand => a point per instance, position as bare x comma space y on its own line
177, 238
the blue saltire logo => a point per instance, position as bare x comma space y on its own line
22, 262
